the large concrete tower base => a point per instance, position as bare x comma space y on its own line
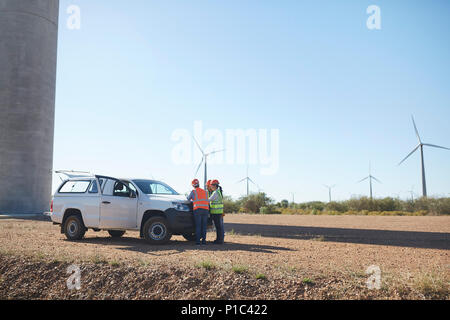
28, 48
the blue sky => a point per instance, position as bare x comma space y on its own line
340, 95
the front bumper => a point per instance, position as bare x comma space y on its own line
182, 222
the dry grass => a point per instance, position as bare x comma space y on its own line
208, 265
240, 269
260, 276
432, 285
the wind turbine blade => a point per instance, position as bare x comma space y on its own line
435, 146
252, 181
199, 166
328, 187
363, 179
415, 128
376, 179
198, 145
415, 149
241, 180
213, 152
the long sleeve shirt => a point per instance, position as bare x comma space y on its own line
214, 196
191, 196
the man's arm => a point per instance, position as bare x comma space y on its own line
191, 196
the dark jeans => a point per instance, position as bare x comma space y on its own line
218, 223
201, 221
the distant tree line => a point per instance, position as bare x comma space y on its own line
261, 203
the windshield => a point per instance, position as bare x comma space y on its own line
154, 187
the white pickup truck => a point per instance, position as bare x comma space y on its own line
116, 205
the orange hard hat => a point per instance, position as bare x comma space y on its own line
195, 182
215, 182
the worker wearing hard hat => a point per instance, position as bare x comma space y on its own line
199, 198
216, 209
208, 188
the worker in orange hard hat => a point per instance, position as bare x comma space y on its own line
216, 209
199, 198
208, 188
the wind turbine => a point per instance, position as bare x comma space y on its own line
370, 177
247, 179
412, 193
205, 160
421, 145
329, 190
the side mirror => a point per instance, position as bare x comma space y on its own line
133, 194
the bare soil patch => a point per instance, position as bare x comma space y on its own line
265, 257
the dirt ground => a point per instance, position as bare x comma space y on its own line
265, 256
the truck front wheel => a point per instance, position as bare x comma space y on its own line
74, 228
156, 231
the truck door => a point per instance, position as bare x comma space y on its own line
117, 208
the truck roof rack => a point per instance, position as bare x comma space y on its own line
74, 174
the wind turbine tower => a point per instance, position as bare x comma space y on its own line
370, 178
329, 191
248, 179
420, 146
28, 51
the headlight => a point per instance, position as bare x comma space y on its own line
180, 206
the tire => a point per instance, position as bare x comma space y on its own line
189, 236
156, 231
74, 228
116, 233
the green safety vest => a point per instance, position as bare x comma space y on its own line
216, 207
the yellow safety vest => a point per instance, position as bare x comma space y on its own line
216, 206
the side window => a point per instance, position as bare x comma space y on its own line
121, 190
93, 188
130, 185
75, 187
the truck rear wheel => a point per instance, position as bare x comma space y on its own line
156, 231
74, 228
116, 233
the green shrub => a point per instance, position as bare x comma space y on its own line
230, 206
254, 202
261, 203
264, 210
